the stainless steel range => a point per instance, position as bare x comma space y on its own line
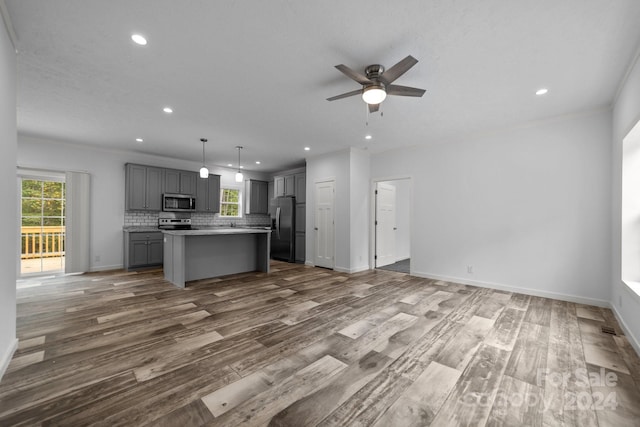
174, 221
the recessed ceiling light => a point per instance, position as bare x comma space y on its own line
542, 91
257, 162
167, 110
139, 140
367, 137
307, 148
139, 39
230, 165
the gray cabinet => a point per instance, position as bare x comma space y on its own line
180, 182
289, 185
208, 194
256, 197
300, 187
300, 248
143, 187
143, 249
278, 186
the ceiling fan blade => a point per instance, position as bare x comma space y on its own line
404, 91
345, 95
373, 107
390, 75
354, 75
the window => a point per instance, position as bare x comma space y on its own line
230, 205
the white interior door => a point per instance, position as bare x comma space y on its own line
385, 224
324, 225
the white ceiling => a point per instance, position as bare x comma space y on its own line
257, 73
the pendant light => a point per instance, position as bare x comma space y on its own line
239, 177
204, 172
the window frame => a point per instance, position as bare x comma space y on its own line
232, 188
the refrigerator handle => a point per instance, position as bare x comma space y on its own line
278, 222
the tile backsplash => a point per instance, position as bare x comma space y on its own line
150, 219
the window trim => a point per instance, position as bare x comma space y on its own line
231, 187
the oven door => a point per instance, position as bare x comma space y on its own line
178, 203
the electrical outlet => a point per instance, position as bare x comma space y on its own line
470, 269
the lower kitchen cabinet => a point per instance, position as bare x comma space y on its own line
143, 249
300, 247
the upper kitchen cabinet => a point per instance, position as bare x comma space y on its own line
180, 182
256, 197
208, 194
278, 186
143, 187
291, 185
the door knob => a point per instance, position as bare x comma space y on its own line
315, 228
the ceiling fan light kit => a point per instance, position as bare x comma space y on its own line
374, 94
376, 83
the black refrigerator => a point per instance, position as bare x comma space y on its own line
283, 229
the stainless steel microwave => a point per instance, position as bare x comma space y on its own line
178, 203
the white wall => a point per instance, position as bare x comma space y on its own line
107, 186
526, 208
8, 215
349, 169
333, 166
359, 199
626, 114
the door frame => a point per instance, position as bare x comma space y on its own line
372, 210
37, 175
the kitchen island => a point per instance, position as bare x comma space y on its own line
212, 252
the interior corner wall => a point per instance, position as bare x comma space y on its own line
359, 199
107, 186
333, 166
524, 209
626, 113
8, 216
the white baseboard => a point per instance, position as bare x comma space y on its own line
309, 263
633, 340
534, 292
6, 357
107, 267
352, 270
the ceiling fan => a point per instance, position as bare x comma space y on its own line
376, 83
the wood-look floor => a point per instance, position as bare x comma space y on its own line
303, 346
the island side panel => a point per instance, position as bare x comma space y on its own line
263, 252
174, 259
219, 255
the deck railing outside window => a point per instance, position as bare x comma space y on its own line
45, 241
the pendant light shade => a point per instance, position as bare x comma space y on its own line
204, 172
239, 176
